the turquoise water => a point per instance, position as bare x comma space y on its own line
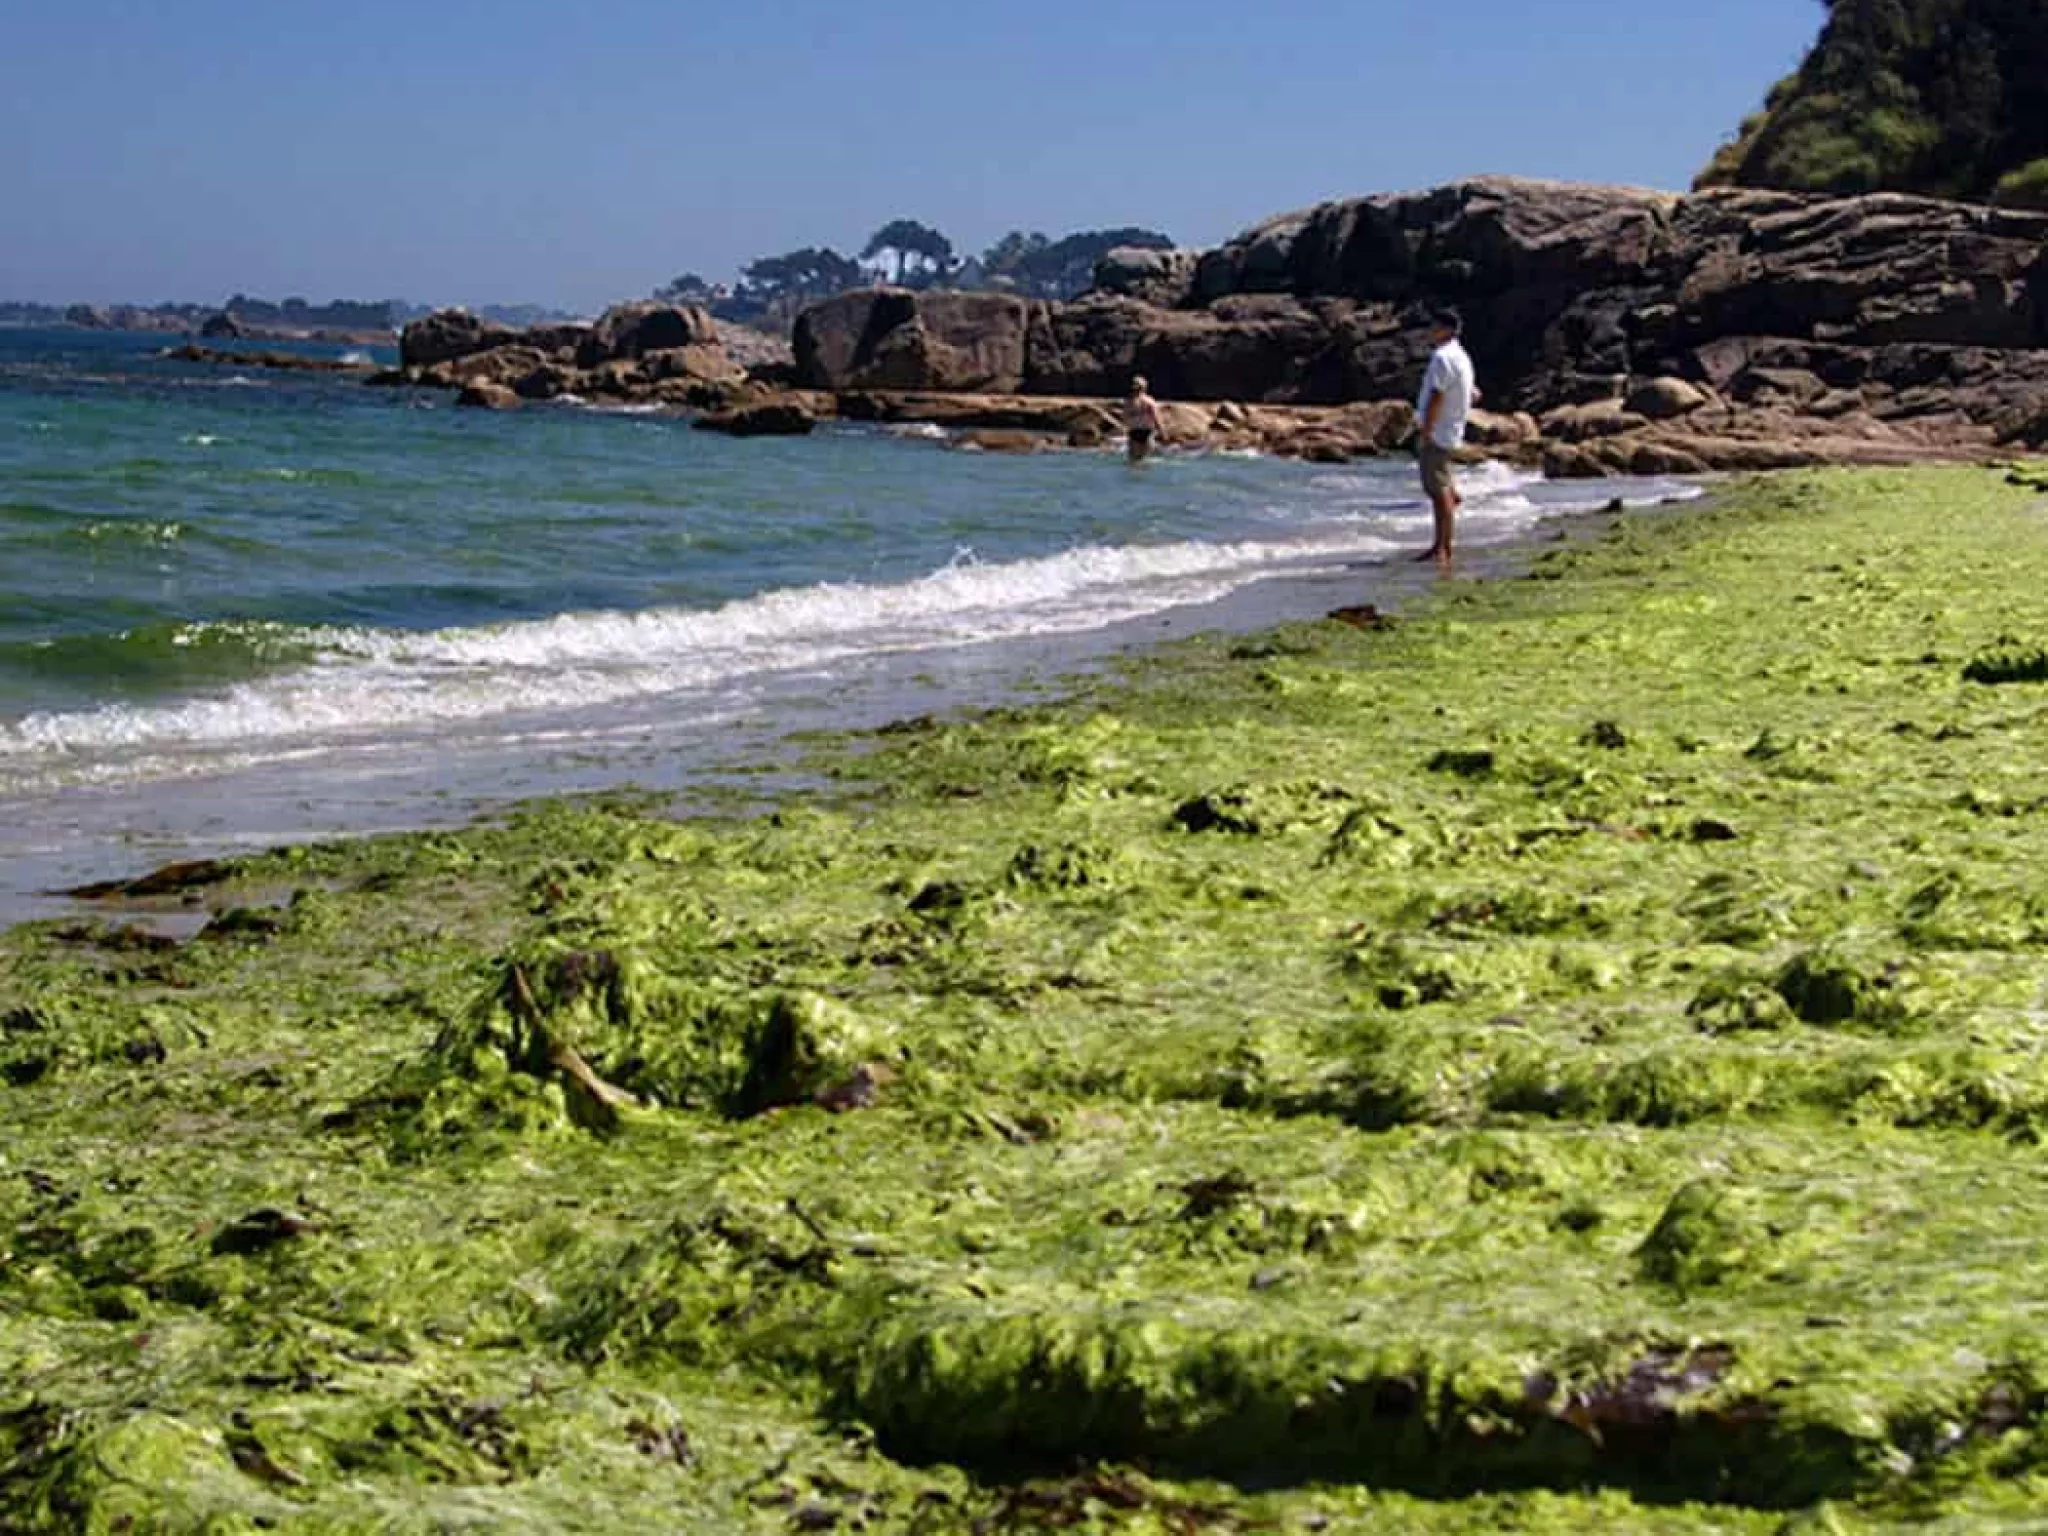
245, 604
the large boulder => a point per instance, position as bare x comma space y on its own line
629, 331
449, 334
222, 327
890, 338
1661, 399
699, 363
769, 418
1164, 278
486, 395
1864, 271
1269, 348
1089, 347
1473, 239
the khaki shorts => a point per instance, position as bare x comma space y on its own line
1437, 480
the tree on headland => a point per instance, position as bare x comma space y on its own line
772, 288
1943, 97
687, 289
1060, 269
1004, 261
915, 247
811, 273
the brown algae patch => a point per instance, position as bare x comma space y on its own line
1570, 1060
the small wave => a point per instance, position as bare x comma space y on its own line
356, 359
121, 531
200, 439
365, 683
160, 658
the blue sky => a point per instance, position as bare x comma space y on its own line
578, 151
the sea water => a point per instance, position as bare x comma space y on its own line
241, 606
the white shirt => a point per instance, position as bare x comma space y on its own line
1450, 375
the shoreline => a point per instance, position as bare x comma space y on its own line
184, 823
1567, 1060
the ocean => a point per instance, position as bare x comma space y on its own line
244, 607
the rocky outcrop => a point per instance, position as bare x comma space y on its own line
448, 334
1164, 278
221, 327
292, 362
637, 330
891, 338
1030, 423
771, 418
657, 352
1907, 324
485, 395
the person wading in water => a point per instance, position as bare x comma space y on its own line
1141, 420
1449, 389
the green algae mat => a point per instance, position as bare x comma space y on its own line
1569, 1059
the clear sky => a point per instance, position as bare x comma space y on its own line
577, 151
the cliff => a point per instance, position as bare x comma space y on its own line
1944, 97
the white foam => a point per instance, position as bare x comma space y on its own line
381, 684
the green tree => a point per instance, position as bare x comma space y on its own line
686, 289
814, 272
1062, 268
1946, 97
911, 244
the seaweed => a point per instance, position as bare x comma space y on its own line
1570, 1060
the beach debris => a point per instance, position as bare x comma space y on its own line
863, 1090
1263, 810
258, 1232
2008, 662
169, 880
1465, 763
601, 1100
1606, 735
1363, 616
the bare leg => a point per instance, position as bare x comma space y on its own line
1444, 502
1443, 511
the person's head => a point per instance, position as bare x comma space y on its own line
1445, 324
1138, 385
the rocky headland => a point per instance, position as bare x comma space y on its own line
1617, 331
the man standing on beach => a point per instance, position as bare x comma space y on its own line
1449, 388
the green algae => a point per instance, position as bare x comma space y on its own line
1572, 1060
